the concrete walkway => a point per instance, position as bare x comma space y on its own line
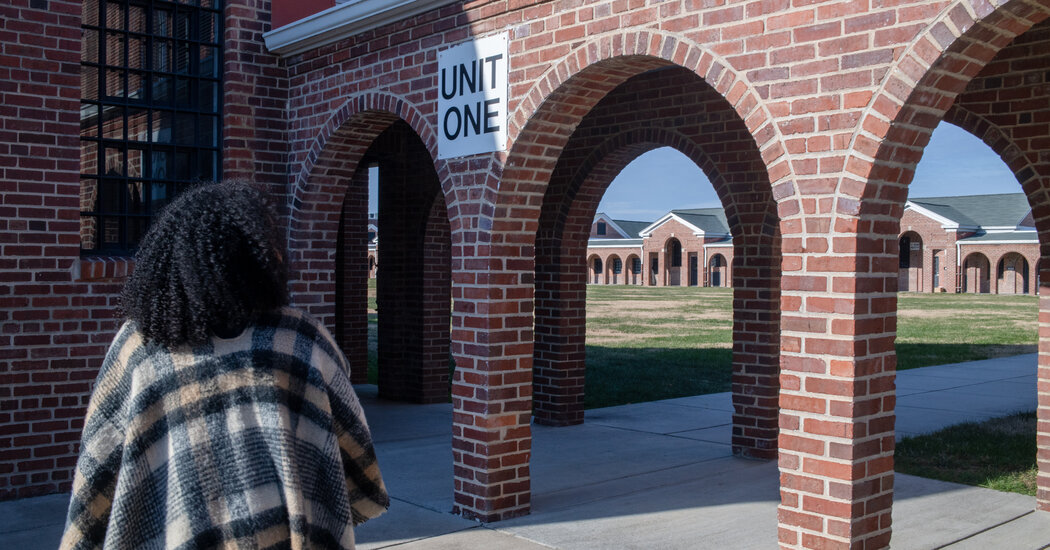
659, 475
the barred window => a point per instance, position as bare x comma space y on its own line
150, 112
617, 266
636, 266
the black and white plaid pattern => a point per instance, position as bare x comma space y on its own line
253, 442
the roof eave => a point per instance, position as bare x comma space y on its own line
342, 21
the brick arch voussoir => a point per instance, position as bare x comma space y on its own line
1026, 170
544, 118
607, 160
917, 93
359, 120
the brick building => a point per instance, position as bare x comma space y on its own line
976, 244
807, 117
682, 248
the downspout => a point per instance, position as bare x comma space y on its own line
703, 268
958, 265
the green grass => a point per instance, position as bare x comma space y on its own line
649, 343
998, 454
935, 329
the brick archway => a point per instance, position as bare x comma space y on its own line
845, 238
320, 188
724, 149
540, 126
328, 244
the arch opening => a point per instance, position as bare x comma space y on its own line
709, 132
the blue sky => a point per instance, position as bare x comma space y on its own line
954, 163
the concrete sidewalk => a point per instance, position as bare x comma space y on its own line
659, 475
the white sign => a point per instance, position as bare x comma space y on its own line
472, 97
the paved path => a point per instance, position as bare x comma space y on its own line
659, 475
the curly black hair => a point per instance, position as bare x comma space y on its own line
209, 265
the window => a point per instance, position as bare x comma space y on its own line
597, 265
617, 266
600, 229
676, 253
636, 266
150, 112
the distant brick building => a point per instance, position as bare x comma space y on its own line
976, 244
682, 248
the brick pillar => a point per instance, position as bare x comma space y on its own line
351, 320
561, 324
1043, 384
837, 391
492, 384
756, 347
437, 299
409, 356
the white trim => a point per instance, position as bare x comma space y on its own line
975, 243
946, 223
719, 245
603, 217
342, 21
648, 231
613, 245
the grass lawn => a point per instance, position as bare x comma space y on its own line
648, 343
998, 454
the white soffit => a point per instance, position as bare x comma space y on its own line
342, 21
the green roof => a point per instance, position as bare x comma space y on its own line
632, 227
1002, 210
709, 220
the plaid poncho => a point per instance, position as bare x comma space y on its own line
252, 442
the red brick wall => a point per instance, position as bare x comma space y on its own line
58, 309
53, 322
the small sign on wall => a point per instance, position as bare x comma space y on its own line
916, 246
472, 97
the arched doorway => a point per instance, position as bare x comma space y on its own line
1012, 274
673, 256
634, 270
716, 271
976, 274
910, 263
615, 268
596, 270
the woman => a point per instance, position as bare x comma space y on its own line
220, 417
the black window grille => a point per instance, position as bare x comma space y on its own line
150, 112
597, 265
636, 266
617, 266
676, 253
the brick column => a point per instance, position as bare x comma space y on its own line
756, 347
437, 299
1043, 387
561, 326
492, 343
837, 392
351, 290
